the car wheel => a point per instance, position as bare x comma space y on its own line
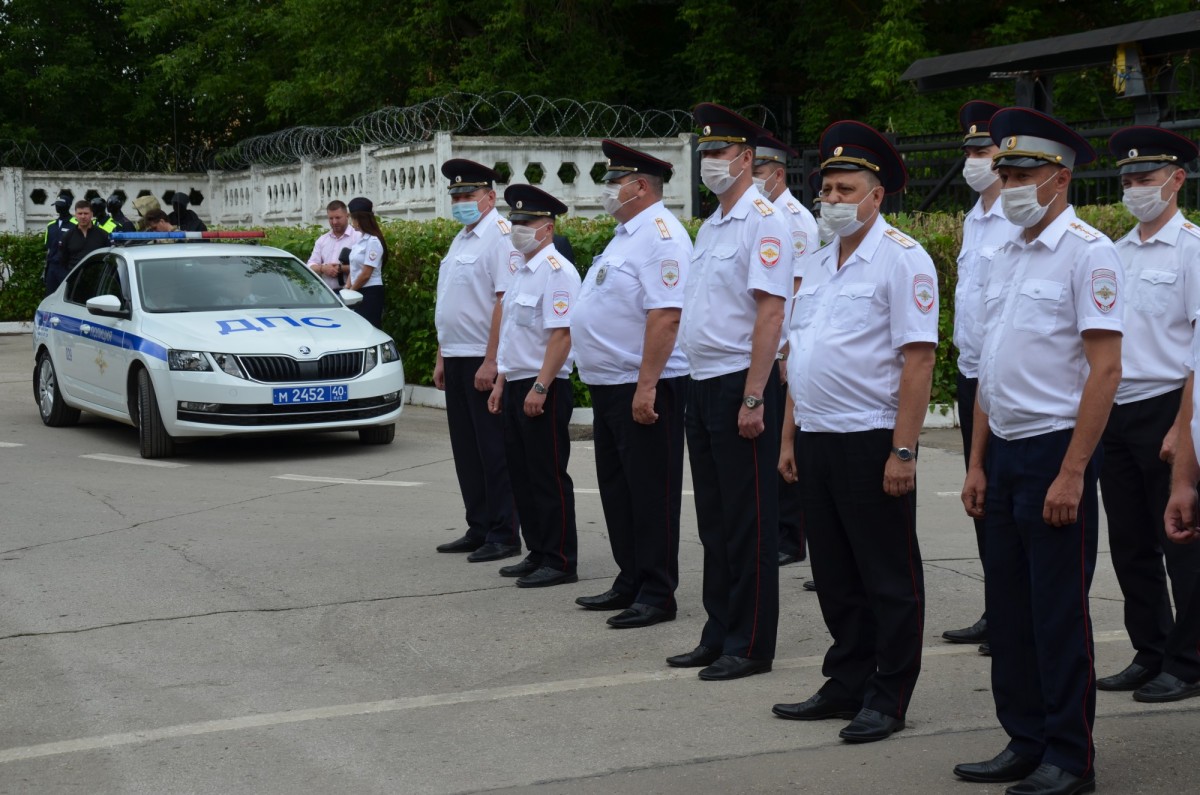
378, 434
154, 439
54, 411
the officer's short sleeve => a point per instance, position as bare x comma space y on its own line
1189, 267
663, 273
770, 254
1099, 286
913, 296
804, 241
373, 253
503, 261
560, 296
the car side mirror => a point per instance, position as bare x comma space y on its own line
107, 305
350, 297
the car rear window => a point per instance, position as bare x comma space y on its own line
201, 284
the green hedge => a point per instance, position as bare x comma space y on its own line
417, 248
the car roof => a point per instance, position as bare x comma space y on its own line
185, 250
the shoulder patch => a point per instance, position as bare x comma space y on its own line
1104, 289
1084, 231
554, 263
901, 239
793, 208
663, 231
1191, 228
764, 208
503, 226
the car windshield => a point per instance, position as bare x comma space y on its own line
201, 284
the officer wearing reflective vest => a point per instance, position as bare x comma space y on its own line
52, 238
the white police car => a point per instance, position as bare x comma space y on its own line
211, 339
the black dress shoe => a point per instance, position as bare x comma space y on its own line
464, 544
696, 658
985, 649
1051, 780
976, 633
870, 726
1131, 678
728, 667
640, 616
493, 552
545, 577
817, 708
1166, 687
527, 566
609, 600
809, 585
788, 558
1006, 766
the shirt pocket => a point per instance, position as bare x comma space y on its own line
1153, 291
1038, 303
805, 307
852, 306
725, 272
527, 309
464, 269
605, 269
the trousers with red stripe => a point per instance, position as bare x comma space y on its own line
1037, 579
737, 514
867, 566
538, 450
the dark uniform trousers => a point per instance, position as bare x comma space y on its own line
791, 518
1135, 485
1037, 579
867, 561
737, 514
477, 440
370, 308
967, 387
538, 449
640, 471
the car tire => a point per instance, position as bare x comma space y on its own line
153, 437
377, 434
53, 410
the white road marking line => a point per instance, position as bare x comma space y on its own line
11, 444
318, 479
949, 493
107, 741
597, 491
125, 459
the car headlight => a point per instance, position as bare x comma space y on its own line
370, 358
389, 352
193, 361
228, 364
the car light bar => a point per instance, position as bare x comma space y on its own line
186, 235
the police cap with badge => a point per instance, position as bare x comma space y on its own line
853, 146
467, 176
529, 203
1143, 148
65, 197
1028, 138
770, 150
721, 127
623, 161
975, 118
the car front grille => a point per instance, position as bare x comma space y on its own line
299, 414
285, 369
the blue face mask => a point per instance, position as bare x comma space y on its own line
465, 212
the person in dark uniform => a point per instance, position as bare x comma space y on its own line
624, 338
472, 280
1049, 367
183, 218
863, 336
115, 203
533, 391
100, 217
1161, 256
77, 242
733, 310
52, 239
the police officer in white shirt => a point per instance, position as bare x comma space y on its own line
1161, 256
623, 330
1048, 372
860, 369
533, 392
472, 280
770, 177
985, 230
733, 309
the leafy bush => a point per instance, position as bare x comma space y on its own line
22, 260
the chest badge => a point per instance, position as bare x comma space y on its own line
601, 274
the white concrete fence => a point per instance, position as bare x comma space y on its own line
402, 181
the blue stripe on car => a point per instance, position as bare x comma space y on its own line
105, 334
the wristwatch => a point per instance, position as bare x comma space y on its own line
752, 402
904, 454
539, 388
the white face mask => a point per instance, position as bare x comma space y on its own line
524, 239
715, 174
842, 218
978, 173
1146, 203
1020, 205
761, 184
824, 233
611, 193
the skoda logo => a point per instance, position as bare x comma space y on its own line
305, 350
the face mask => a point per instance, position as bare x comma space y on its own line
842, 218
465, 212
1146, 204
611, 193
715, 174
824, 233
977, 171
1020, 205
524, 239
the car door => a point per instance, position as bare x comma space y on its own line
93, 358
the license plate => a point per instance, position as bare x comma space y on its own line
328, 393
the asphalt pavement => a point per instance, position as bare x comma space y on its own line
270, 616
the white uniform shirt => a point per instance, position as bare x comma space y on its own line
849, 325
984, 233
734, 255
1162, 282
367, 251
803, 227
480, 263
328, 248
644, 267
1038, 298
541, 297
1191, 363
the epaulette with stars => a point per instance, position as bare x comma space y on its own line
1084, 231
554, 263
899, 238
764, 209
663, 231
1188, 226
503, 226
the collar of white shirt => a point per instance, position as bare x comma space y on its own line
484, 225
635, 223
740, 209
535, 263
866, 249
1169, 234
995, 211
1052, 235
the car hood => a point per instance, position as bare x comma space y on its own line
265, 331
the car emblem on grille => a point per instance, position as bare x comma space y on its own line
305, 350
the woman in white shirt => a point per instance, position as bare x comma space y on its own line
366, 261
